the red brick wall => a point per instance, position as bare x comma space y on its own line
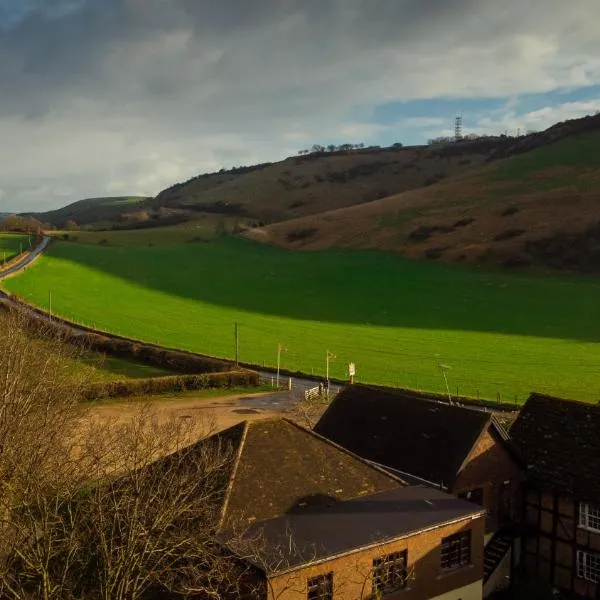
488, 466
352, 574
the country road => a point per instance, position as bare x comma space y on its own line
26, 260
299, 384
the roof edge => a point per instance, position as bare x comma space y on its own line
238, 455
469, 516
358, 458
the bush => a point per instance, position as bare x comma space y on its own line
297, 235
464, 222
509, 234
175, 383
424, 232
510, 210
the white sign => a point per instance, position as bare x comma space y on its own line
352, 369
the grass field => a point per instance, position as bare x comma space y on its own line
203, 229
11, 244
397, 319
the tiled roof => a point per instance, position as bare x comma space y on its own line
404, 431
339, 528
560, 442
281, 467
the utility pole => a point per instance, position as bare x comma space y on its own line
280, 349
237, 345
329, 356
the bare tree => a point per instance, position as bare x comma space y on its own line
97, 509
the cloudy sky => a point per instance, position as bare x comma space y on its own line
119, 97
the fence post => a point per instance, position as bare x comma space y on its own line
290, 384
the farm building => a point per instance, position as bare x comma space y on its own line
334, 526
463, 451
560, 441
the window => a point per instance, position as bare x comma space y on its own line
589, 516
320, 587
456, 550
588, 566
389, 573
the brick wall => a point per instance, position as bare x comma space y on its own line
352, 573
488, 466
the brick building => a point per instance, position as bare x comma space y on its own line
460, 450
560, 442
333, 526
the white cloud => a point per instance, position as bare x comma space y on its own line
129, 96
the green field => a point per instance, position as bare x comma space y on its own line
11, 244
397, 319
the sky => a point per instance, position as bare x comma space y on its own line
127, 97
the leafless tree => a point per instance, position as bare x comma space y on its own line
97, 509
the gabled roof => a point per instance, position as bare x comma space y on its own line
406, 431
560, 442
280, 467
322, 533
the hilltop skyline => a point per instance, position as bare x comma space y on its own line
128, 96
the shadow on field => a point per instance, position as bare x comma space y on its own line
359, 287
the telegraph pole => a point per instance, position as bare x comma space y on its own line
280, 349
237, 344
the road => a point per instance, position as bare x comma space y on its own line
26, 260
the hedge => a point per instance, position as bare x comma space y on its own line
174, 383
172, 360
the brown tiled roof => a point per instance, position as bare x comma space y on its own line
339, 528
281, 467
404, 431
560, 442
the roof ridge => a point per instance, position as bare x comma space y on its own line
340, 448
430, 397
534, 395
234, 470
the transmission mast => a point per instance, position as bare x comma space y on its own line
458, 129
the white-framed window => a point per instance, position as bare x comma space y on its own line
589, 516
588, 566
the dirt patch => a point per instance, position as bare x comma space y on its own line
221, 412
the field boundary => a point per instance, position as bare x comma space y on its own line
80, 330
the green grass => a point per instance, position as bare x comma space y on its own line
578, 152
197, 231
190, 395
110, 368
11, 244
397, 319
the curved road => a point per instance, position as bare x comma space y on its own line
298, 383
26, 260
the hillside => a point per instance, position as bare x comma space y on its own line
307, 185
93, 210
539, 207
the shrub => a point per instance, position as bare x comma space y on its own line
297, 235
510, 210
509, 234
175, 383
464, 222
424, 232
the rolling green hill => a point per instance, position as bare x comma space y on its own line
93, 210
397, 319
538, 208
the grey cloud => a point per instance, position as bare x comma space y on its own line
101, 95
